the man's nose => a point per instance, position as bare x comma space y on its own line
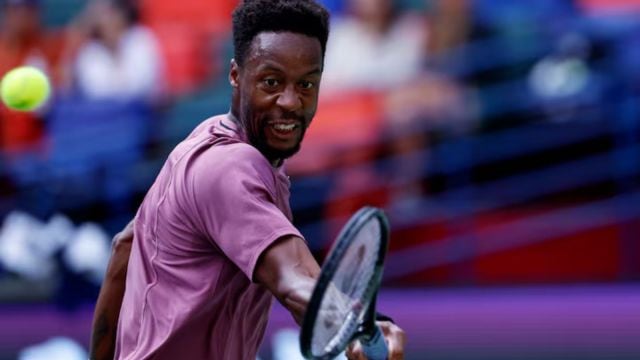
289, 99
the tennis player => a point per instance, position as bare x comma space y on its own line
214, 242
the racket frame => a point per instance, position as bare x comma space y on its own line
367, 328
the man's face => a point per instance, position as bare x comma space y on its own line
278, 91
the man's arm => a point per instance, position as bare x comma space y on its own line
289, 271
105, 316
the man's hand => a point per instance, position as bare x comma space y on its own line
394, 336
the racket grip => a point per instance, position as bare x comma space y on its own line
375, 348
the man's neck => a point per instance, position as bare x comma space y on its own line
233, 117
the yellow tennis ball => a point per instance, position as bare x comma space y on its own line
25, 88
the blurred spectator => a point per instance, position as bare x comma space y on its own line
23, 41
449, 24
377, 86
117, 56
381, 47
100, 125
375, 45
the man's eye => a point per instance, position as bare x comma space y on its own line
307, 84
271, 82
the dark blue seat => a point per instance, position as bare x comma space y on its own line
94, 144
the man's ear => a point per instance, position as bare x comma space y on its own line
233, 74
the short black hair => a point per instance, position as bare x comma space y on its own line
253, 17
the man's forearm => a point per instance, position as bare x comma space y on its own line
105, 321
289, 271
297, 298
105, 317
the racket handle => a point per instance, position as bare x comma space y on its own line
375, 348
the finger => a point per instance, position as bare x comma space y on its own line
396, 340
355, 352
396, 352
350, 351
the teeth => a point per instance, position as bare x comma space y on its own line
284, 127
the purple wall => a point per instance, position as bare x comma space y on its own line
586, 322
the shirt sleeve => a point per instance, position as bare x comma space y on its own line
235, 204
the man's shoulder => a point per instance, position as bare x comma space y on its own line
225, 169
217, 148
233, 153
206, 125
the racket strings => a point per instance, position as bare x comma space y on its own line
346, 299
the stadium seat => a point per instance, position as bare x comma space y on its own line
345, 121
187, 57
209, 16
92, 146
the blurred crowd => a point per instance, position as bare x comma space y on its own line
132, 77
118, 67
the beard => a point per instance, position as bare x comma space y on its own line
256, 134
260, 142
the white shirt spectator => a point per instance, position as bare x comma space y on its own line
134, 71
362, 59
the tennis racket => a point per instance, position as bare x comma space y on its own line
342, 306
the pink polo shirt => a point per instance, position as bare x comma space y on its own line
213, 209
